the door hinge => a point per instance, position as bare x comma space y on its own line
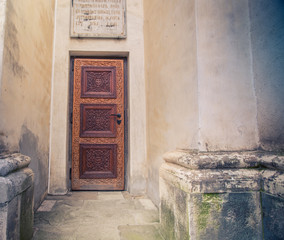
70, 173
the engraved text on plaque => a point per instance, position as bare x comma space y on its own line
98, 18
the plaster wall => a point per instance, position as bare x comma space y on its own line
2, 24
133, 48
200, 82
227, 102
267, 37
25, 86
171, 78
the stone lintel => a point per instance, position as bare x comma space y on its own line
12, 162
225, 160
14, 184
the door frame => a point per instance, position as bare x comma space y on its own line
70, 114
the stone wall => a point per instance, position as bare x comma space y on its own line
222, 195
16, 198
25, 84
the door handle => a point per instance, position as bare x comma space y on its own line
117, 115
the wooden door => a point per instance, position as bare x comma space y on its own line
98, 125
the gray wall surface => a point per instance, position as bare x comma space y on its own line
267, 41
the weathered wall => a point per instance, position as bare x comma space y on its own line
267, 37
131, 47
227, 102
25, 86
2, 24
200, 89
222, 195
171, 78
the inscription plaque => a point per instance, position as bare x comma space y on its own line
98, 18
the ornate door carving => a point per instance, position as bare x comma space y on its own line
98, 125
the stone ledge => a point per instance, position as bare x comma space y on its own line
225, 160
223, 180
224, 195
14, 184
12, 162
211, 180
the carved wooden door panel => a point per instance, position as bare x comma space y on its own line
98, 125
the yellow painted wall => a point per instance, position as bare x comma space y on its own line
199, 81
171, 80
131, 47
25, 85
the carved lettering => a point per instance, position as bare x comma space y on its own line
98, 18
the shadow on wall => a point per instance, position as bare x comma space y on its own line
29, 146
267, 36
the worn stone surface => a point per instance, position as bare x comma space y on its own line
14, 184
211, 181
138, 232
167, 213
273, 216
225, 160
16, 198
213, 160
98, 215
233, 216
13, 162
27, 214
13, 220
273, 182
273, 161
222, 195
3, 221
16, 217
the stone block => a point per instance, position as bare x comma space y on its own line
27, 214
273, 217
167, 216
222, 195
211, 180
230, 216
15, 183
181, 214
206, 160
273, 182
13, 220
173, 210
16, 198
3, 221
12, 162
